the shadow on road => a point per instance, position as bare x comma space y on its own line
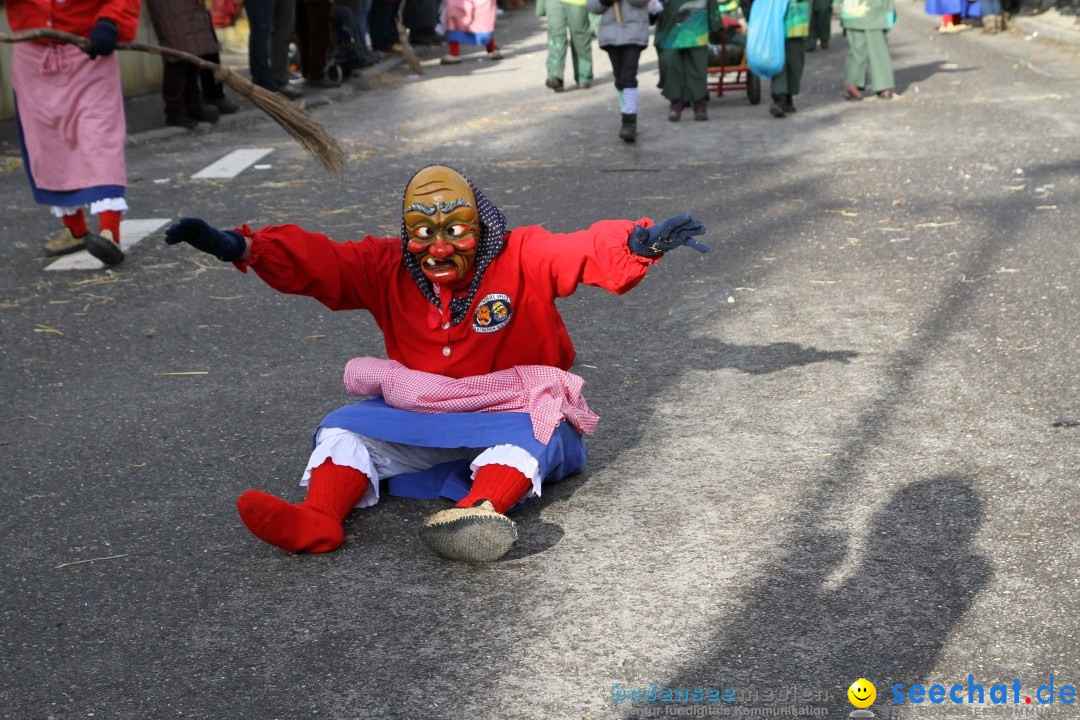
908, 76
887, 621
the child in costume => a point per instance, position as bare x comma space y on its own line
682, 41
568, 17
69, 111
820, 25
865, 23
475, 402
471, 22
953, 13
623, 34
787, 84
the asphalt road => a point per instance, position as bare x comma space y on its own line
843, 444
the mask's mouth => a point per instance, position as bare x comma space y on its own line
443, 271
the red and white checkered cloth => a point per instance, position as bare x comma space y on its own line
548, 394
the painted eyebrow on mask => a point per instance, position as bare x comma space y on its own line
426, 209
454, 205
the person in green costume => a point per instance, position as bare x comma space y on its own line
682, 41
865, 23
568, 16
820, 25
787, 84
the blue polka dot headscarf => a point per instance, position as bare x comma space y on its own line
492, 230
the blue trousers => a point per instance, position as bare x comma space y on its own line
260, 15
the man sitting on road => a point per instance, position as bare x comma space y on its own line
475, 402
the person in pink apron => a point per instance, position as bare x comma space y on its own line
471, 22
69, 109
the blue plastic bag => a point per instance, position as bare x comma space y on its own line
765, 37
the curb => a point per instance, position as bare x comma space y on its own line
1040, 28
246, 116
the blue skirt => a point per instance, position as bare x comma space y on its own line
963, 8
560, 457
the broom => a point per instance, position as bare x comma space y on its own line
403, 39
296, 121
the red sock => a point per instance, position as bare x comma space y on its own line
110, 220
491, 46
314, 525
455, 48
501, 484
76, 223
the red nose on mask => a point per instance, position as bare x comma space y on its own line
441, 249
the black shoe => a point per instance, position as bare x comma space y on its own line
777, 107
181, 119
554, 83
224, 105
788, 104
323, 82
628, 131
206, 114
104, 248
290, 92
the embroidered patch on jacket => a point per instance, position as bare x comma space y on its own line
492, 314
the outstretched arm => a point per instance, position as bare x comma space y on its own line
342, 276
611, 254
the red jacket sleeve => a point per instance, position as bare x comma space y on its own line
125, 13
596, 256
74, 16
342, 276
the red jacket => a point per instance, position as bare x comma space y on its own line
513, 319
73, 16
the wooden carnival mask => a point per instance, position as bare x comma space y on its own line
442, 225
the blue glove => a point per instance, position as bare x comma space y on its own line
102, 38
666, 235
227, 245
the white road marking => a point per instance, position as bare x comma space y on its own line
131, 232
233, 164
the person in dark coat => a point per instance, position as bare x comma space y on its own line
185, 25
314, 26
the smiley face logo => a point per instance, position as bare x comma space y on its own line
862, 693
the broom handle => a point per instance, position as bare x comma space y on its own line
84, 44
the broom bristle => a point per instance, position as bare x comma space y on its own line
296, 121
